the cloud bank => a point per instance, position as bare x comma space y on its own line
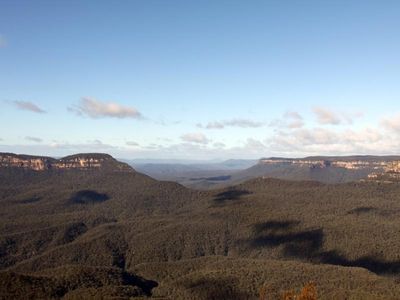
290, 136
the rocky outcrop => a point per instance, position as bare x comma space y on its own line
85, 161
36, 163
378, 168
346, 164
297, 162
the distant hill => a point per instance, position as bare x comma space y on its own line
191, 173
327, 169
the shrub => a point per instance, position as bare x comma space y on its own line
308, 292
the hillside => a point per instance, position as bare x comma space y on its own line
79, 232
326, 169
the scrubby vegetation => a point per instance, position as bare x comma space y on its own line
308, 292
59, 229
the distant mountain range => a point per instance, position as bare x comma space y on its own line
327, 169
189, 173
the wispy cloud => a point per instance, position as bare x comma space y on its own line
98, 109
88, 146
27, 105
242, 123
213, 125
325, 116
294, 119
195, 137
33, 139
328, 117
290, 119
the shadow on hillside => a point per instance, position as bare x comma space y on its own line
369, 210
30, 200
145, 284
361, 210
308, 245
232, 194
274, 226
88, 197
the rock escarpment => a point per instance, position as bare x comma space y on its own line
84, 161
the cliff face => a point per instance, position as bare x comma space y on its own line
346, 164
85, 161
377, 168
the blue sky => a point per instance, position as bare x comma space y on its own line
200, 79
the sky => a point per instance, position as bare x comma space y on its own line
200, 79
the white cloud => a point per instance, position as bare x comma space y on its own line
33, 139
287, 139
97, 109
284, 142
242, 123
195, 137
27, 105
215, 125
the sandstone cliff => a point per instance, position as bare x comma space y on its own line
84, 161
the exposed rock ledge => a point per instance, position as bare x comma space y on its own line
83, 161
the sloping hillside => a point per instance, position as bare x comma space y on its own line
80, 233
